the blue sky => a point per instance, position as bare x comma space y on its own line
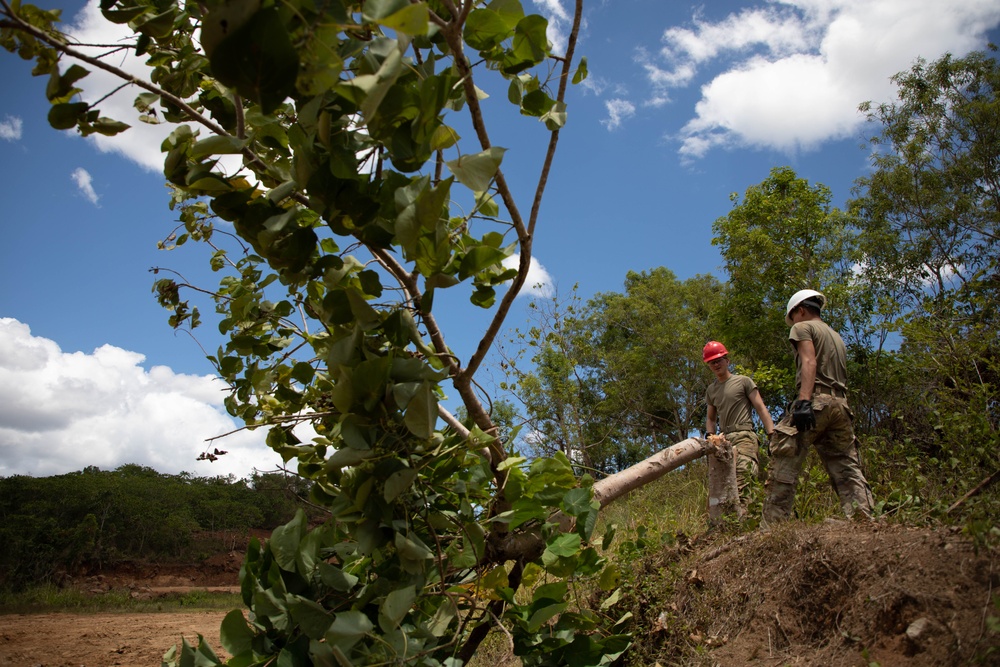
685, 104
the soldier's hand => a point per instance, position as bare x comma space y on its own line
803, 416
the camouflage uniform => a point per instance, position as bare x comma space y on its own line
732, 402
833, 436
745, 445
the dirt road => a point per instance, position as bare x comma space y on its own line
102, 640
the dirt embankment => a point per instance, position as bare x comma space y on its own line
836, 594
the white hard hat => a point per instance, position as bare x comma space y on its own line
799, 297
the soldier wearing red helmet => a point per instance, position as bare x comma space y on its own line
731, 400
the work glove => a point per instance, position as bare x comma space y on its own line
803, 417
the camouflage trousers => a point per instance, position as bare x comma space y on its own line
745, 445
833, 438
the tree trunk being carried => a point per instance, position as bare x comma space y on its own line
615, 486
723, 491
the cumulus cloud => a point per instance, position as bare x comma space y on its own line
61, 412
10, 128
141, 142
84, 183
618, 111
795, 71
539, 283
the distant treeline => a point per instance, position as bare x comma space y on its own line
88, 520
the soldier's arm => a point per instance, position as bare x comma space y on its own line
765, 417
807, 357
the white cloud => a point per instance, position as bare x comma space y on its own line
84, 183
618, 110
539, 283
141, 142
10, 128
60, 412
795, 71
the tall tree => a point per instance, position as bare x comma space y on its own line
620, 378
648, 343
782, 236
355, 201
931, 243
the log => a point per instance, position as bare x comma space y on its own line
723, 490
615, 486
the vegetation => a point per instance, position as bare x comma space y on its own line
89, 520
48, 597
327, 135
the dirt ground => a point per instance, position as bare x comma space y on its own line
837, 594
102, 640
121, 639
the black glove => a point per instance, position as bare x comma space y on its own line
803, 417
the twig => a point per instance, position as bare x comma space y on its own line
718, 551
784, 634
977, 490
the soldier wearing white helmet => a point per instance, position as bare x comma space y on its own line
731, 399
820, 416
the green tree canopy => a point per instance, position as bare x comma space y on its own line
783, 236
355, 203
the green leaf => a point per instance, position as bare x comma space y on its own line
336, 578
609, 579
484, 296
477, 171
303, 372
485, 29
60, 86
285, 540
64, 116
576, 502
530, 45
258, 60
108, 127
479, 258
235, 633
310, 616
349, 627
581, 71
410, 20
564, 545
398, 482
536, 103
443, 138
217, 145
555, 118
346, 457
394, 608
158, 26
543, 615
486, 205
224, 19
411, 548
510, 11
421, 412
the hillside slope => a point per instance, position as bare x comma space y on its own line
837, 593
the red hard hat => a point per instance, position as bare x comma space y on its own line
713, 350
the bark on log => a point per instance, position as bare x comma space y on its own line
615, 486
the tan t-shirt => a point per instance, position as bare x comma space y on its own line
831, 354
732, 403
